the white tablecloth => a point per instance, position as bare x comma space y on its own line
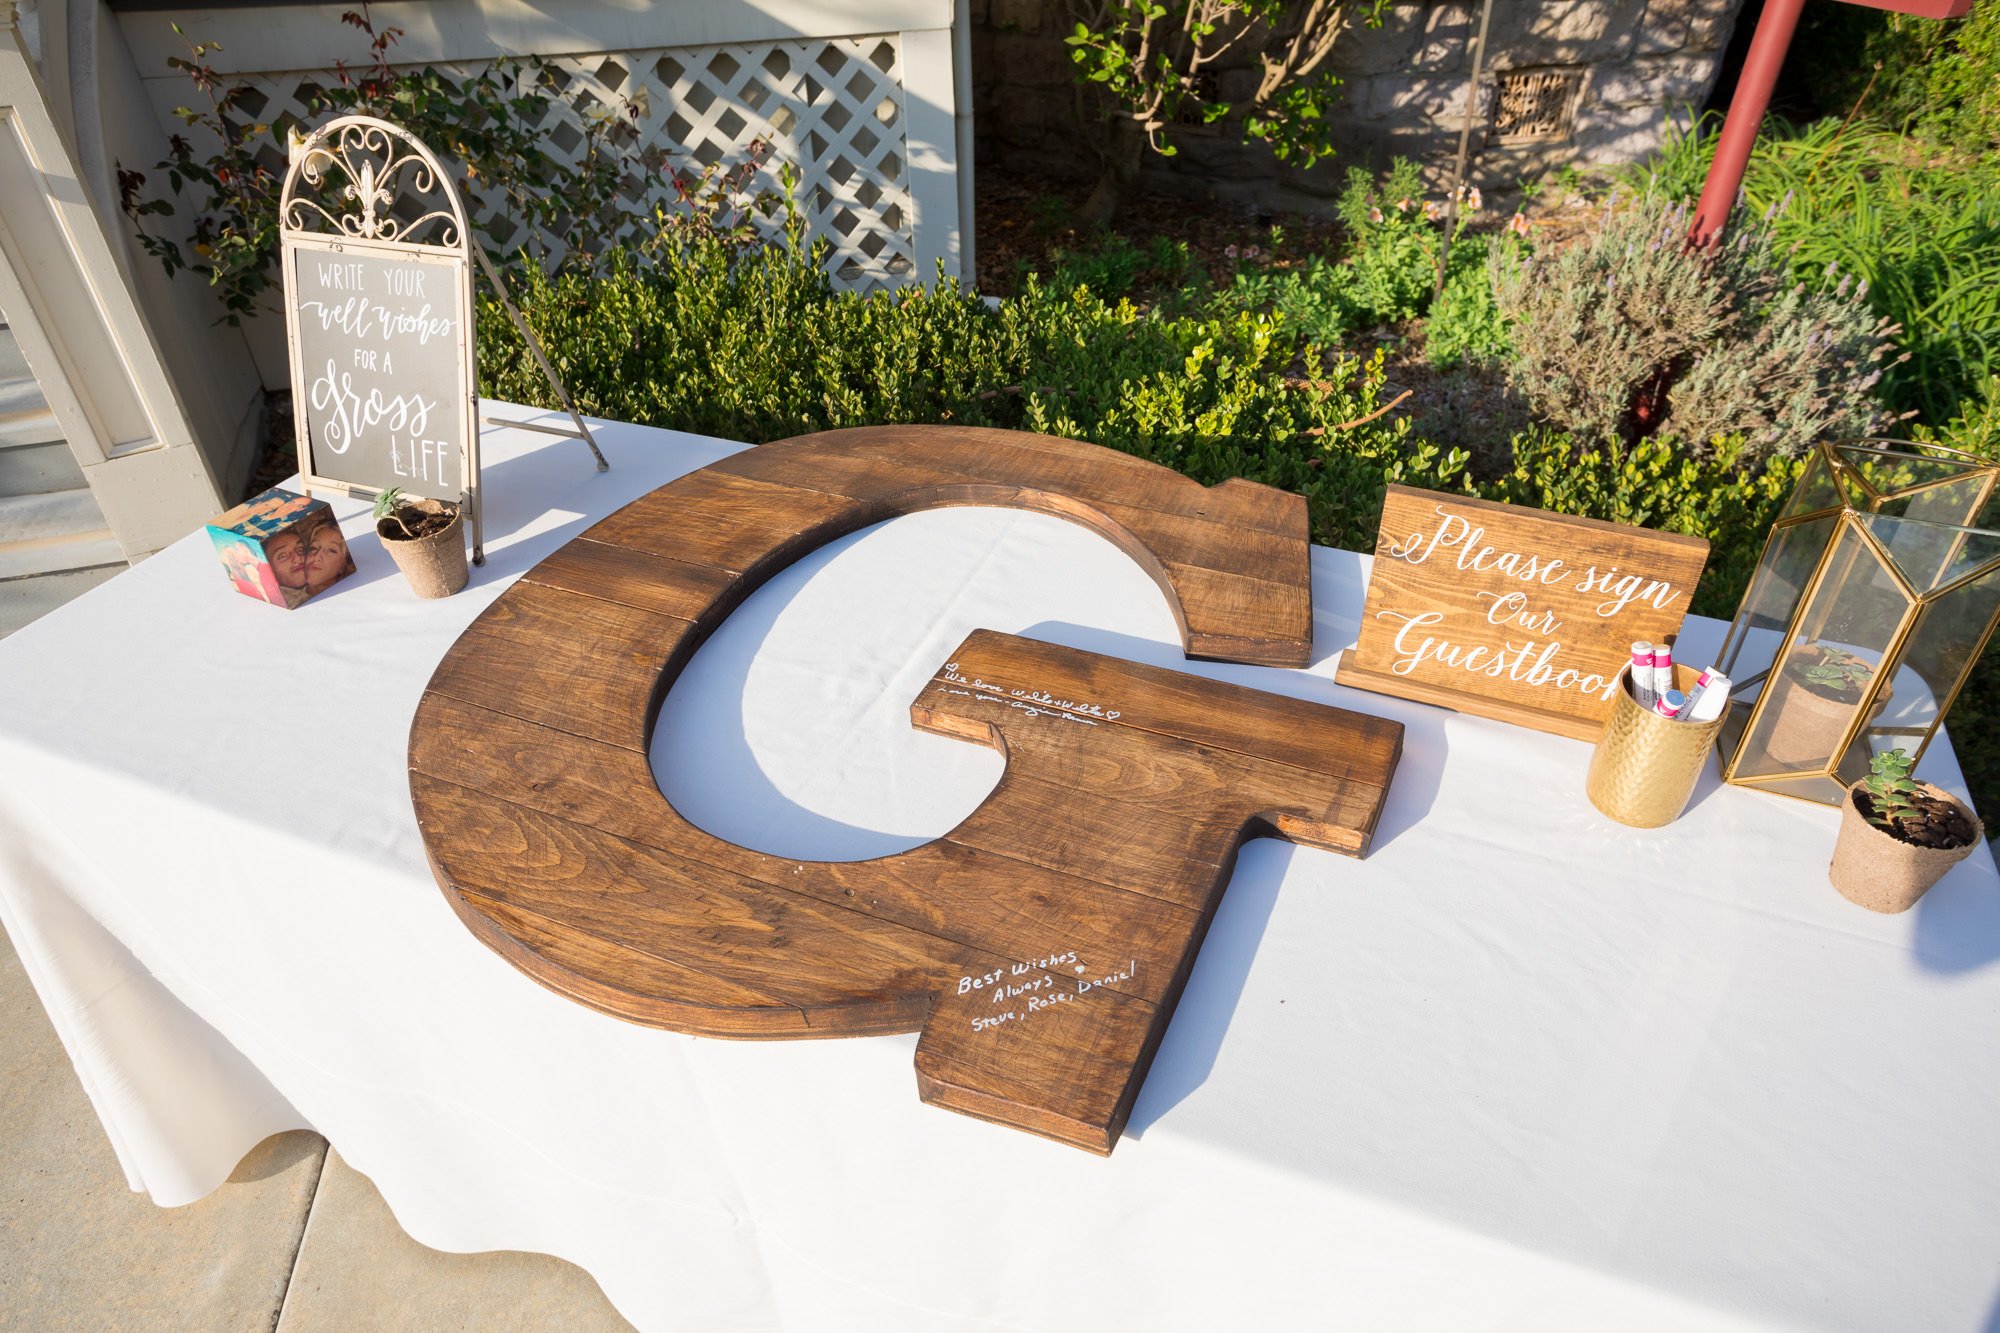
1521, 1068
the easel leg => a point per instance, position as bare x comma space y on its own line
535, 349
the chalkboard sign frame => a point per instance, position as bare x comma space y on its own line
461, 401
392, 198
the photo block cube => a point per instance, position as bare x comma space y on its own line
281, 548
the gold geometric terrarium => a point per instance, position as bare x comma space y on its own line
1877, 591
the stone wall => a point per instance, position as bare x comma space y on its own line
1611, 71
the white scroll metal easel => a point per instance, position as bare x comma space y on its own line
394, 198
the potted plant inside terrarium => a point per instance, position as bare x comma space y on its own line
1824, 685
427, 540
1898, 836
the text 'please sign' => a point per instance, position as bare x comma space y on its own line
1512, 613
380, 368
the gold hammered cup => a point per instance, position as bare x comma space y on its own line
1645, 766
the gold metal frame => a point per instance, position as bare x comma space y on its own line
1745, 716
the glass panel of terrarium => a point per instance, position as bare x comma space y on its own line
1977, 549
1816, 489
1921, 551
1827, 676
1888, 470
1809, 787
1766, 610
1940, 649
1956, 502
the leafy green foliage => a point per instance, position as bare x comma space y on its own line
1115, 267
1384, 276
1963, 83
1155, 59
759, 345
489, 122
1465, 323
1627, 334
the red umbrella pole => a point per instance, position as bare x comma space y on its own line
1746, 115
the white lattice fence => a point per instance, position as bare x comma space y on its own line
832, 107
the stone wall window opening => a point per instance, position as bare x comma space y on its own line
1535, 105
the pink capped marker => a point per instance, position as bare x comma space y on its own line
1642, 673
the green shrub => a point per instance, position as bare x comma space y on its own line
1919, 233
1384, 276
1315, 300
760, 345
1393, 245
1625, 334
1963, 87
1465, 323
1976, 428
1115, 267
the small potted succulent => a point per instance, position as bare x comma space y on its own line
1898, 837
427, 539
1823, 686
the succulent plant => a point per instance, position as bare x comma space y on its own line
1839, 670
1890, 791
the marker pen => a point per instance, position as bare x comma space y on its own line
1663, 668
1642, 673
1708, 698
1701, 683
1670, 704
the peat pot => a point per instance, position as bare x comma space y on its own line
1875, 869
434, 563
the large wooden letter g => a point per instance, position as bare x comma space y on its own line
1040, 946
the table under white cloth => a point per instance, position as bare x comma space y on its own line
1520, 1068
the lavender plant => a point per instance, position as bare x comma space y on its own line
1628, 334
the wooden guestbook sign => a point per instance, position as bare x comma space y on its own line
1514, 613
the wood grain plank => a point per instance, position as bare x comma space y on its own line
1061, 466
1095, 1045
728, 522
1168, 778
1315, 737
804, 954
574, 963
961, 893
655, 583
570, 661
1225, 617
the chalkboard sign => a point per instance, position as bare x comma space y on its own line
377, 263
380, 366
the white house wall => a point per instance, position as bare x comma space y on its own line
95, 90
84, 333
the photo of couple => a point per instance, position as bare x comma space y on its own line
283, 548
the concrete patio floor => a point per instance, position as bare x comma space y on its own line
296, 1241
